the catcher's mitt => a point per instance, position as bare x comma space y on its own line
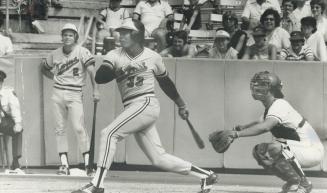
221, 140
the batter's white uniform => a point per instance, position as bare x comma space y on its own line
69, 79
301, 138
135, 78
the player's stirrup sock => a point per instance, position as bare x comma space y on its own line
86, 156
199, 172
64, 159
99, 176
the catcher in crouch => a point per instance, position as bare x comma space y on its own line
295, 144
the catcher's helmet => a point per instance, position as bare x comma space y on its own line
264, 82
136, 27
72, 27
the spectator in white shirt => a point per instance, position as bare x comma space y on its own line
255, 8
318, 9
154, 15
6, 46
221, 48
303, 9
289, 21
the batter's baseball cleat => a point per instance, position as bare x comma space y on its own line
304, 187
289, 187
206, 183
89, 188
63, 170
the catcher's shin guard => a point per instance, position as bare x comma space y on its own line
280, 166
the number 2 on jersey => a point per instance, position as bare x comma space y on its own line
135, 81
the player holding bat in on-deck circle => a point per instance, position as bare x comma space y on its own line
135, 69
295, 144
69, 66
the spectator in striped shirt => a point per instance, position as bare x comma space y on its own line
298, 50
221, 48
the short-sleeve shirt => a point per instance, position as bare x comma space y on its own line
5, 46
317, 45
290, 23
322, 27
230, 54
289, 54
280, 38
114, 19
151, 16
70, 69
135, 76
305, 11
289, 123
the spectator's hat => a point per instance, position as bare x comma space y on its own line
127, 24
296, 35
258, 31
222, 34
3, 75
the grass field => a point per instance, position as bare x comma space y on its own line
145, 182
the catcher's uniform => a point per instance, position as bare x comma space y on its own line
301, 138
135, 79
69, 78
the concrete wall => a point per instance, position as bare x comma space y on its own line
217, 94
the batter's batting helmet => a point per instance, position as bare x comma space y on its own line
264, 82
72, 27
136, 28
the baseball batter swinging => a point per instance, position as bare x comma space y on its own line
135, 69
69, 65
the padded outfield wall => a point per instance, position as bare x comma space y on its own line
217, 94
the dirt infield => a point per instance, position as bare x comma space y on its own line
145, 182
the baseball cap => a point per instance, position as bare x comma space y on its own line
2, 75
296, 35
222, 34
69, 26
127, 24
258, 31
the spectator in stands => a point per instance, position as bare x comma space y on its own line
289, 22
238, 37
108, 20
6, 46
270, 20
313, 38
261, 49
318, 8
154, 14
298, 50
254, 8
302, 9
192, 15
179, 47
221, 48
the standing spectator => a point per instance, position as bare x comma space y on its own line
289, 22
109, 19
192, 15
69, 66
6, 46
154, 14
238, 37
318, 8
270, 20
313, 38
298, 50
221, 48
254, 8
261, 49
9, 105
302, 9
180, 47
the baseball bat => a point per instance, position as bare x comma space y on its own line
91, 157
195, 135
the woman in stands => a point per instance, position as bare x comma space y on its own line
318, 8
238, 37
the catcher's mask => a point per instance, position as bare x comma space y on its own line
264, 82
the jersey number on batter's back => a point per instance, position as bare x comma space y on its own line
135, 81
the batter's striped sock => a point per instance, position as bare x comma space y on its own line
64, 159
86, 156
199, 172
99, 176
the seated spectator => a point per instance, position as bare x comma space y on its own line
238, 37
270, 20
221, 48
261, 49
10, 106
6, 46
254, 8
192, 16
313, 38
298, 50
289, 22
154, 15
179, 47
318, 8
302, 9
108, 20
